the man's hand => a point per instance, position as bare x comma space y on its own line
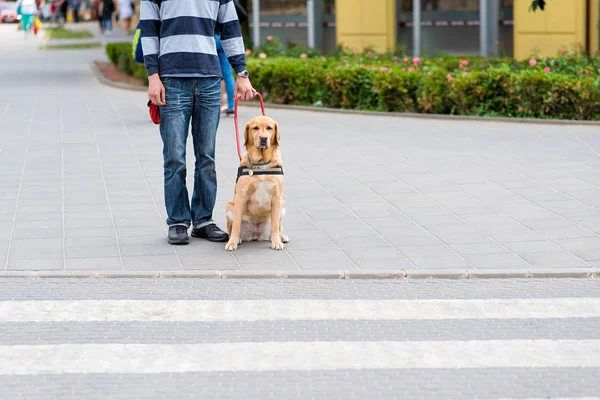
244, 88
156, 90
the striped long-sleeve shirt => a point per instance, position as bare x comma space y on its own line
178, 37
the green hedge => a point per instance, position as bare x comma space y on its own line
120, 54
560, 88
493, 91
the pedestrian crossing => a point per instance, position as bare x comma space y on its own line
101, 342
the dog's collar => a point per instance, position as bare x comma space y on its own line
260, 165
250, 172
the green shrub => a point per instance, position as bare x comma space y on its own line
120, 54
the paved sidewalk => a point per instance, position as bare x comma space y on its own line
81, 178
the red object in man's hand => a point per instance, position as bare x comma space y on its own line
154, 112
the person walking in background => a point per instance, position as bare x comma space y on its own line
125, 14
227, 76
27, 9
108, 9
97, 7
63, 9
75, 7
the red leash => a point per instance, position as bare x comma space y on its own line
235, 121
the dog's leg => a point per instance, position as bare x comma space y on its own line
284, 238
276, 242
229, 216
239, 209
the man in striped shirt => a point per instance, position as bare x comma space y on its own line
184, 74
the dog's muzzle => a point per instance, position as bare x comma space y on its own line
263, 142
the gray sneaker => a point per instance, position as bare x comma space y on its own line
178, 234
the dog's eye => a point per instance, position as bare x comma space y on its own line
255, 128
269, 128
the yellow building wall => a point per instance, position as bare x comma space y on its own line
595, 25
366, 23
543, 33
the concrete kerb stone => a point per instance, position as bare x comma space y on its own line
499, 273
108, 82
585, 273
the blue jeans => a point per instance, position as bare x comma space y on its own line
108, 24
226, 72
198, 100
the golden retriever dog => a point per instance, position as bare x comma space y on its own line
257, 207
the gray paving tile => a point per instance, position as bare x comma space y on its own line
360, 242
582, 243
538, 224
6, 217
38, 233
565, 233
588, 254
426, 251
532, 247
257, 252
94, 264
269, 266
463, 237
92, 252
38, 217
36, 265
371, 252
553, 259
479, 248
36, 254
24, 225
379, 264
150, 263
89, 232
345, 228
37, 244
444, 262
412, 240
325, 258
147, 250
497, 261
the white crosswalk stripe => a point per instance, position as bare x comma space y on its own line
257, 310
296, 356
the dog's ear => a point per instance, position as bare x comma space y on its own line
276, 136
247, 134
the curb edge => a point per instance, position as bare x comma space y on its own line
401, 274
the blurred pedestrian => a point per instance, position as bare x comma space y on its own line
75, 7
63, 9
125, 14
27, 9
97, 7
108, 9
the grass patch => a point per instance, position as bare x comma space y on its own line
74, 46
62, 33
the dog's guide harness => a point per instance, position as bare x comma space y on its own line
262, 167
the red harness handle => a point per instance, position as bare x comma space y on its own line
235, 121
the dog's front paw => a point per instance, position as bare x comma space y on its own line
232, 244
284, 238
277, 244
